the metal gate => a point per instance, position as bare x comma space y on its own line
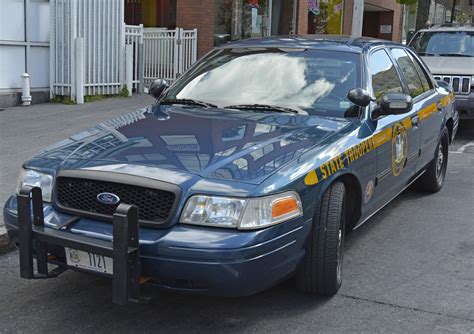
134, 37
103, 38
168, 53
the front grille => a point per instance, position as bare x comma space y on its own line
79, 195
460, 84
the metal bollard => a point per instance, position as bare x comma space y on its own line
129, 68
25, 90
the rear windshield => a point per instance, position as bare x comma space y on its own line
444, 43
314, 82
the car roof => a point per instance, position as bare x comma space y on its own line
449, 27
325, 42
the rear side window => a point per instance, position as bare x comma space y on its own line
385, 78
423, 75
412, 77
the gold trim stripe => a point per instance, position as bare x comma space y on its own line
382, 137
357, 151
428, 111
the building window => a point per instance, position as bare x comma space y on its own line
241, 19
325, 16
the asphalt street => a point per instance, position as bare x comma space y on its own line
410, 268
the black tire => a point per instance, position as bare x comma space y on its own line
321, 270
433, 179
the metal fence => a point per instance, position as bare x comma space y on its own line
88, 43
103, 34
60, 47
188, 49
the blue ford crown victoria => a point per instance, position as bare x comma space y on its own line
250, 169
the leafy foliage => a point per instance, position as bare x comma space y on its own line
124, 91
407, 2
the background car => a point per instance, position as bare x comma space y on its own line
448, 50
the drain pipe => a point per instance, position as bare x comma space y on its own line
25, 90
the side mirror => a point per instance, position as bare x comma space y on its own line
360, 97
394, 104
444, 85
157, 87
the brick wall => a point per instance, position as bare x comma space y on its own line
197, 14
200, 14
302, 17
347, 19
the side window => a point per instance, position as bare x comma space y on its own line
423, 75
409, 71
385, 78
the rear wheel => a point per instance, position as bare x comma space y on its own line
433, 179
321, 270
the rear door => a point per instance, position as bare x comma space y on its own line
431, 113
424, 99
395, 136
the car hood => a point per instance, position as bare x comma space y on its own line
450, 65
213, 143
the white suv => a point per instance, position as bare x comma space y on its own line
449, 53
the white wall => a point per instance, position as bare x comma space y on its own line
24, 43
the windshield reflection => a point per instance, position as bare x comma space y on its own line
314, 82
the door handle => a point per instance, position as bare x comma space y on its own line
440, 107
415, 120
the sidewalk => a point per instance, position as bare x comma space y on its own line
26, 130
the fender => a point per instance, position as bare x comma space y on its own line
329, 181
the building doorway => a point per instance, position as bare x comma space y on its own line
378, 22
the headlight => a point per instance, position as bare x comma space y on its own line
29, 177
241, 213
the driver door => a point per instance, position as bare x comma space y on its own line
396, 137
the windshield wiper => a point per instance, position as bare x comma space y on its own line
454, 55
262, 107
189, 102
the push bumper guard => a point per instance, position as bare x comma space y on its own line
123, 249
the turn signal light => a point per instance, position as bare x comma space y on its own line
284, 206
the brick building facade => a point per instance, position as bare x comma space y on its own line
222, 20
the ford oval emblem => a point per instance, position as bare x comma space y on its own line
108, 198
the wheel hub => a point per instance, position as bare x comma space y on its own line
439, 161
338, 256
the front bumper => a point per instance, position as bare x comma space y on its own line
465, 105
202, 260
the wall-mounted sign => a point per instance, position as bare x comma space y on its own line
385, 29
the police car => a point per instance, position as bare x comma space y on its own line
249, 169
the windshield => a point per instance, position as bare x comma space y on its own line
313, 82
444, 43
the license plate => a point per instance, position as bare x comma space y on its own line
89, 261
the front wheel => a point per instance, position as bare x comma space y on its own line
433, 179
321, 270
